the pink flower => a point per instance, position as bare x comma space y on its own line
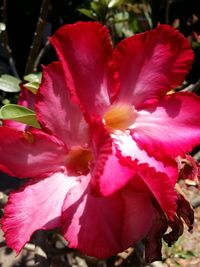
63, 162
126, 89
71, 161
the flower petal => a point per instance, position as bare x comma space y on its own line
153, 242
104, 226
108, 174
30, 154
84, 49
26, 98
36, 205
55, 111
128, 150
161, 188
136, 223
170, 128
152, 63
154, 176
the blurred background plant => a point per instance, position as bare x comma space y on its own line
24, 30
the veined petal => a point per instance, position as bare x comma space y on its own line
56, 113
161, 188
15, 125
36, 205
170, 128
136, 223
129, 151
104, 226
152, 176
152, 63
108, 174
30, 154
84, 49
26, 98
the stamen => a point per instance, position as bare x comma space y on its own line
120, 117
78, 161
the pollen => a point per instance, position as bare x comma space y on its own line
28, 136
120, 117
77, 161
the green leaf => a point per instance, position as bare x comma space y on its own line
186, 254
95, 6
33, 81
87, 13
33, 77
114, 3
20, 114
32, 86
9, 83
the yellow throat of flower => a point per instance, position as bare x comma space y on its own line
77, 161
119, 117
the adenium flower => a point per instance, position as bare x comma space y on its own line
93, 176
63, 160
126, 89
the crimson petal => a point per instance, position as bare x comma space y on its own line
55, 111
30, 154
104, 226
36, 205
169, 128
84, 50
152, 63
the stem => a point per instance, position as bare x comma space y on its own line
5, 42
192, 87
37, 37
167, 10
40, 55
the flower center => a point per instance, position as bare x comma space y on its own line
120, 117
77, 161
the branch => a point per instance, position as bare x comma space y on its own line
194, 87
167, 11
40, 55
37, 37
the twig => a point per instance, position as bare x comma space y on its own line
5, 42
37, 37
192, 87
167, 10
40, 55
